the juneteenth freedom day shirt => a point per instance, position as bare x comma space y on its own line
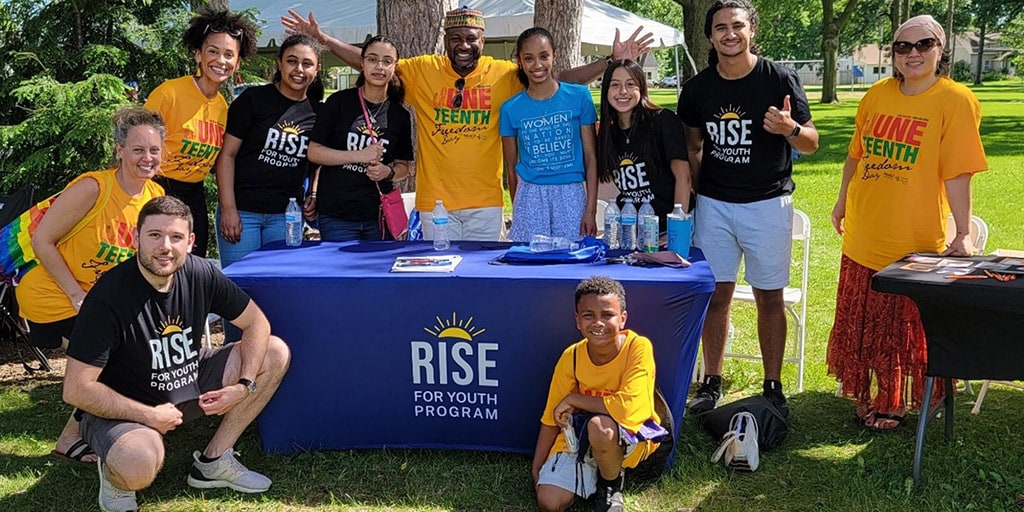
906, 147
195, 128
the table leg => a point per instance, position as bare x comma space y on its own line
949, 409
922, 422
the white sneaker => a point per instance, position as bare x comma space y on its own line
226, 471
739, 444
113, 499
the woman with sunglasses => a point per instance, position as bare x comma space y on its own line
196, 112
638, 143
914, 150
363, 140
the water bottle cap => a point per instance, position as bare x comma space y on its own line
438, 201
678, 205
291, 198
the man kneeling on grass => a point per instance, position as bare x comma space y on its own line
601, 392
136, 369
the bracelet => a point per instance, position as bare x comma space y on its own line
313, 195
391, 175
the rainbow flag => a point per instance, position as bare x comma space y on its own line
16, 242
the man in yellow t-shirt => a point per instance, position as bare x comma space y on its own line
456, 99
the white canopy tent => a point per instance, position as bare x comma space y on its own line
352, 20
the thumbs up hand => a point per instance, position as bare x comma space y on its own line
778, 121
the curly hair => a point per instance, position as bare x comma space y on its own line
127, 118
600, 285
212, 18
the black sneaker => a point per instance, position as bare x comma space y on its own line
773, 392
608, 497
707, 396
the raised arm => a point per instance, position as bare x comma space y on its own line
296, 24
631, 49
66, 211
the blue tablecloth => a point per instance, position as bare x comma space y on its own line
453, 360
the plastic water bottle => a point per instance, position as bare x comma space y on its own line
441, 242
680, 225
293, 224
543, 243
611, 225
628, 220
647, 228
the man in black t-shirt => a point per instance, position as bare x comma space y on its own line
136, 369
744, 115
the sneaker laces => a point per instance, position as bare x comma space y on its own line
739, 445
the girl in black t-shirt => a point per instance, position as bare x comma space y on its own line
363, 140
263, 162
640, 146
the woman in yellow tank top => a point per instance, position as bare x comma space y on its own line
50, 294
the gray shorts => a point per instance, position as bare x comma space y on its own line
102, 433
759, 233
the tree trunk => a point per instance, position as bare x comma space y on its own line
416, 26
564, 19
831, 27
982, 27
693, 30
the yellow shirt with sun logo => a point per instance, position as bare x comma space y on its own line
195, 128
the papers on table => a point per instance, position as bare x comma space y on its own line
426, 263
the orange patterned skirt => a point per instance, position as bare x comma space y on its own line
877, 345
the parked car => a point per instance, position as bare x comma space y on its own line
237, 90
669, 81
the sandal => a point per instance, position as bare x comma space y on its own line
883, 417
76, 453
863, 416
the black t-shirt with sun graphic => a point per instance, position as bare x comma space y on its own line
344, 191
148, 342
741, 162
639, 180
271, 163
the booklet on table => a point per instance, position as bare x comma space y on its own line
426, 263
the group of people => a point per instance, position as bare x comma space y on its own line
726, 154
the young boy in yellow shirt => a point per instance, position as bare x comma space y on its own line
601, 393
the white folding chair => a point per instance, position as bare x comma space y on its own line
791, 296
409, 201
986, 383
601, 205
979, 236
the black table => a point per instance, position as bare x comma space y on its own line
973, 327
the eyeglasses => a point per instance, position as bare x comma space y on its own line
904, 47
218, 29
460, 84
373, 60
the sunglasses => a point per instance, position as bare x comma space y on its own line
904, 47
220, 29
460, 84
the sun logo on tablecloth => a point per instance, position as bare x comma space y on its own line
171, 325
455, 328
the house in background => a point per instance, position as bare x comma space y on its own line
874, 61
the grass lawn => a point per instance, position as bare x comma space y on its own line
827, 463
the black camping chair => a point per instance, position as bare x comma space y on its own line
12, 328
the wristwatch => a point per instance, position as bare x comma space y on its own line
250, 386
794, 134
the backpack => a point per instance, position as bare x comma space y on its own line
656, 463
771, 424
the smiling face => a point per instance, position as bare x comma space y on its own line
916, 65
464, 46
731, 32
623, 91
218, 58
600, 318
163, 243
299, 66
141, 153
379, 63
536, 56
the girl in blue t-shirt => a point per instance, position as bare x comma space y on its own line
548, 142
